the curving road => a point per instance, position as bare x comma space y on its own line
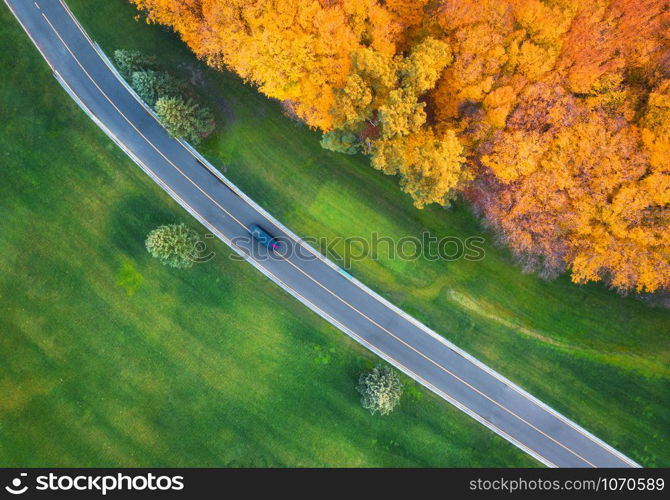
494, 401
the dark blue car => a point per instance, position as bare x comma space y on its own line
263, 237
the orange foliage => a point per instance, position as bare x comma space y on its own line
584, 197
294, 51
608, 36
561, 108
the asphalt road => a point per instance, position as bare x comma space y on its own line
425, 356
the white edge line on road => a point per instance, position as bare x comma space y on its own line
37, 45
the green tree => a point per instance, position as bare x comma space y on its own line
434, 169
185, 118
352, 102
130, 61
152, 85
340, 141
380, 390
378, 70
174, 245
425, 64
402, 114
431, 168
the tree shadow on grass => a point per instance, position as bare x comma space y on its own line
207, 285
131, 219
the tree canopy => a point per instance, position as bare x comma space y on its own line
151, 85
185, 118
550, 116
380, 389
174, 245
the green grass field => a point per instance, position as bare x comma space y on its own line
601, 359
110, 359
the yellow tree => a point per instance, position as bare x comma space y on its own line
424, 65
401, 114
477, 37
515, 154
352, 102
431, 168
294, 51
588, 203
498, 105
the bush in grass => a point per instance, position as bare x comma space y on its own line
340, 141
185, 118
152, 85
174, 245
380, 390
130, 61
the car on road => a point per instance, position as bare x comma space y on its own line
262, 236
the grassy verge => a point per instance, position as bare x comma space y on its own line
110, 359
598, 358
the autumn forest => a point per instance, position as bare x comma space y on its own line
551, 118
